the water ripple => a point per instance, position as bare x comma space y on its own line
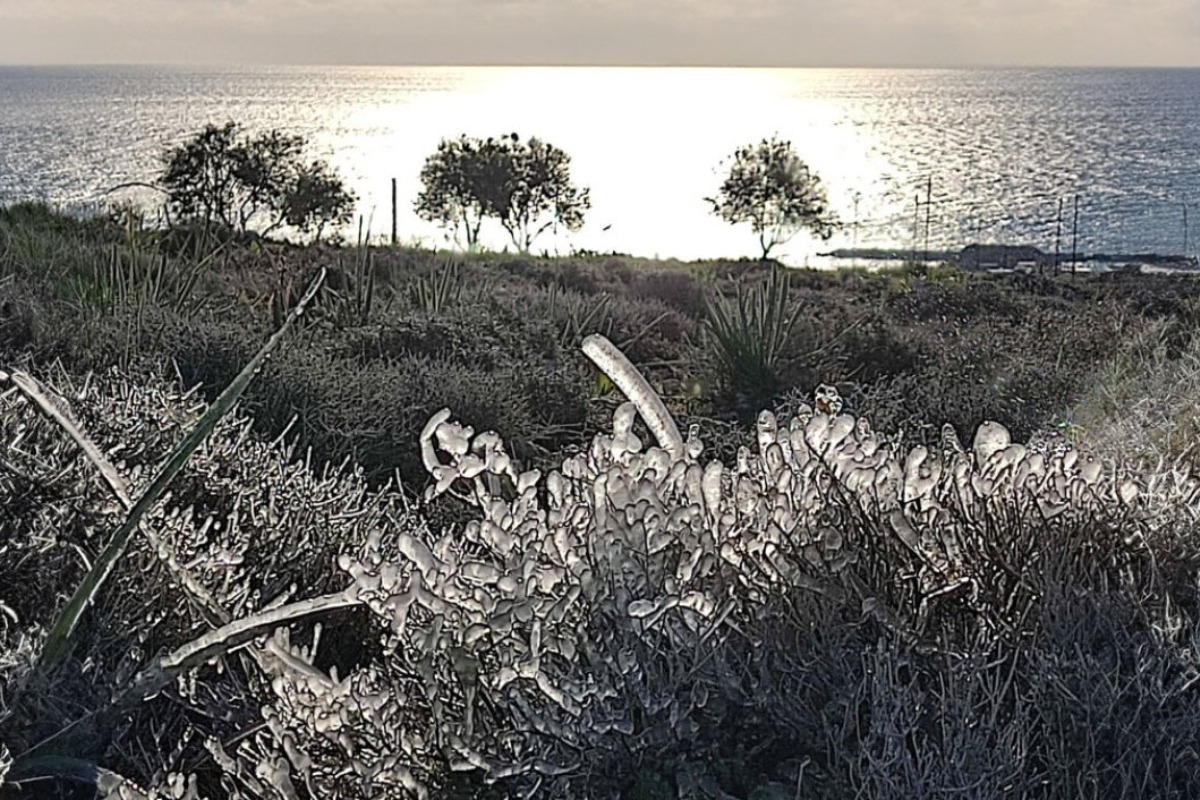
1000, 147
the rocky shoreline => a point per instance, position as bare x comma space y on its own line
996, 257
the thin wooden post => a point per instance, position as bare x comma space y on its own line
928, 209
1057, 235
916, 225
854, 247
1075, 236
394, 237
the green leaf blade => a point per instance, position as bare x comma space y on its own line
61, 633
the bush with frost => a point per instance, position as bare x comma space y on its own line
609, 610
636, 619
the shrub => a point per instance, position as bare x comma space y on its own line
677, 288
367, 397
246, 523
37, 216
862, 344
919, 405
38, 243
834, 613
612, 658
958, 302
1143, 404
650, 331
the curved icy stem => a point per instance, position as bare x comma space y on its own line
613, 363
159, 673
165, 669
56, 411
77, 770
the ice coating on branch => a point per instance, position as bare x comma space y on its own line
649, 533
616, 367
989, 438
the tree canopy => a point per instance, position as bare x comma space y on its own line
261, 183
769, 187
525, 186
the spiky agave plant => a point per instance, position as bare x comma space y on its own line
750, 334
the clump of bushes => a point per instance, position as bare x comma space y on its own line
487, 318
833, 609
246, 524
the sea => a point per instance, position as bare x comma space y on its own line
1085, 160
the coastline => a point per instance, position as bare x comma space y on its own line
1018, 258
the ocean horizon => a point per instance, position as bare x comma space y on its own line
911, 158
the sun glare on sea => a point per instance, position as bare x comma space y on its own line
998, 151
649, 143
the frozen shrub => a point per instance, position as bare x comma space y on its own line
246, 525
601, 607
833, 609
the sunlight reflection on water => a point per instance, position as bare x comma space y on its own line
1001, 146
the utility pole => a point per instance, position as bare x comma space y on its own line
1075, 236
1185, 230
916, 226
928, 209
1057, 235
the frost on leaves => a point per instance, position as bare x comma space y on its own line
585, 604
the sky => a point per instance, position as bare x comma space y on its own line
765, 33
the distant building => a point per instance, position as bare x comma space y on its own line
1003, 256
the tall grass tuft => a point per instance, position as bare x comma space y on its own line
350, 302
131, 277
576, 316
433, 294
1145, 403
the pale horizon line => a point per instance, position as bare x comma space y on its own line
598, 65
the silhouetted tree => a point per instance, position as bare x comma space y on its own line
316, 198
198, 176
542, 196
221, 176
525, 186
461, 181
772, 189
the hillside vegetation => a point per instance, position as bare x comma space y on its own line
972, 575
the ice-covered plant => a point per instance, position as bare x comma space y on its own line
597, 607
633, 604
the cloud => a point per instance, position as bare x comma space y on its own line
750, 32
